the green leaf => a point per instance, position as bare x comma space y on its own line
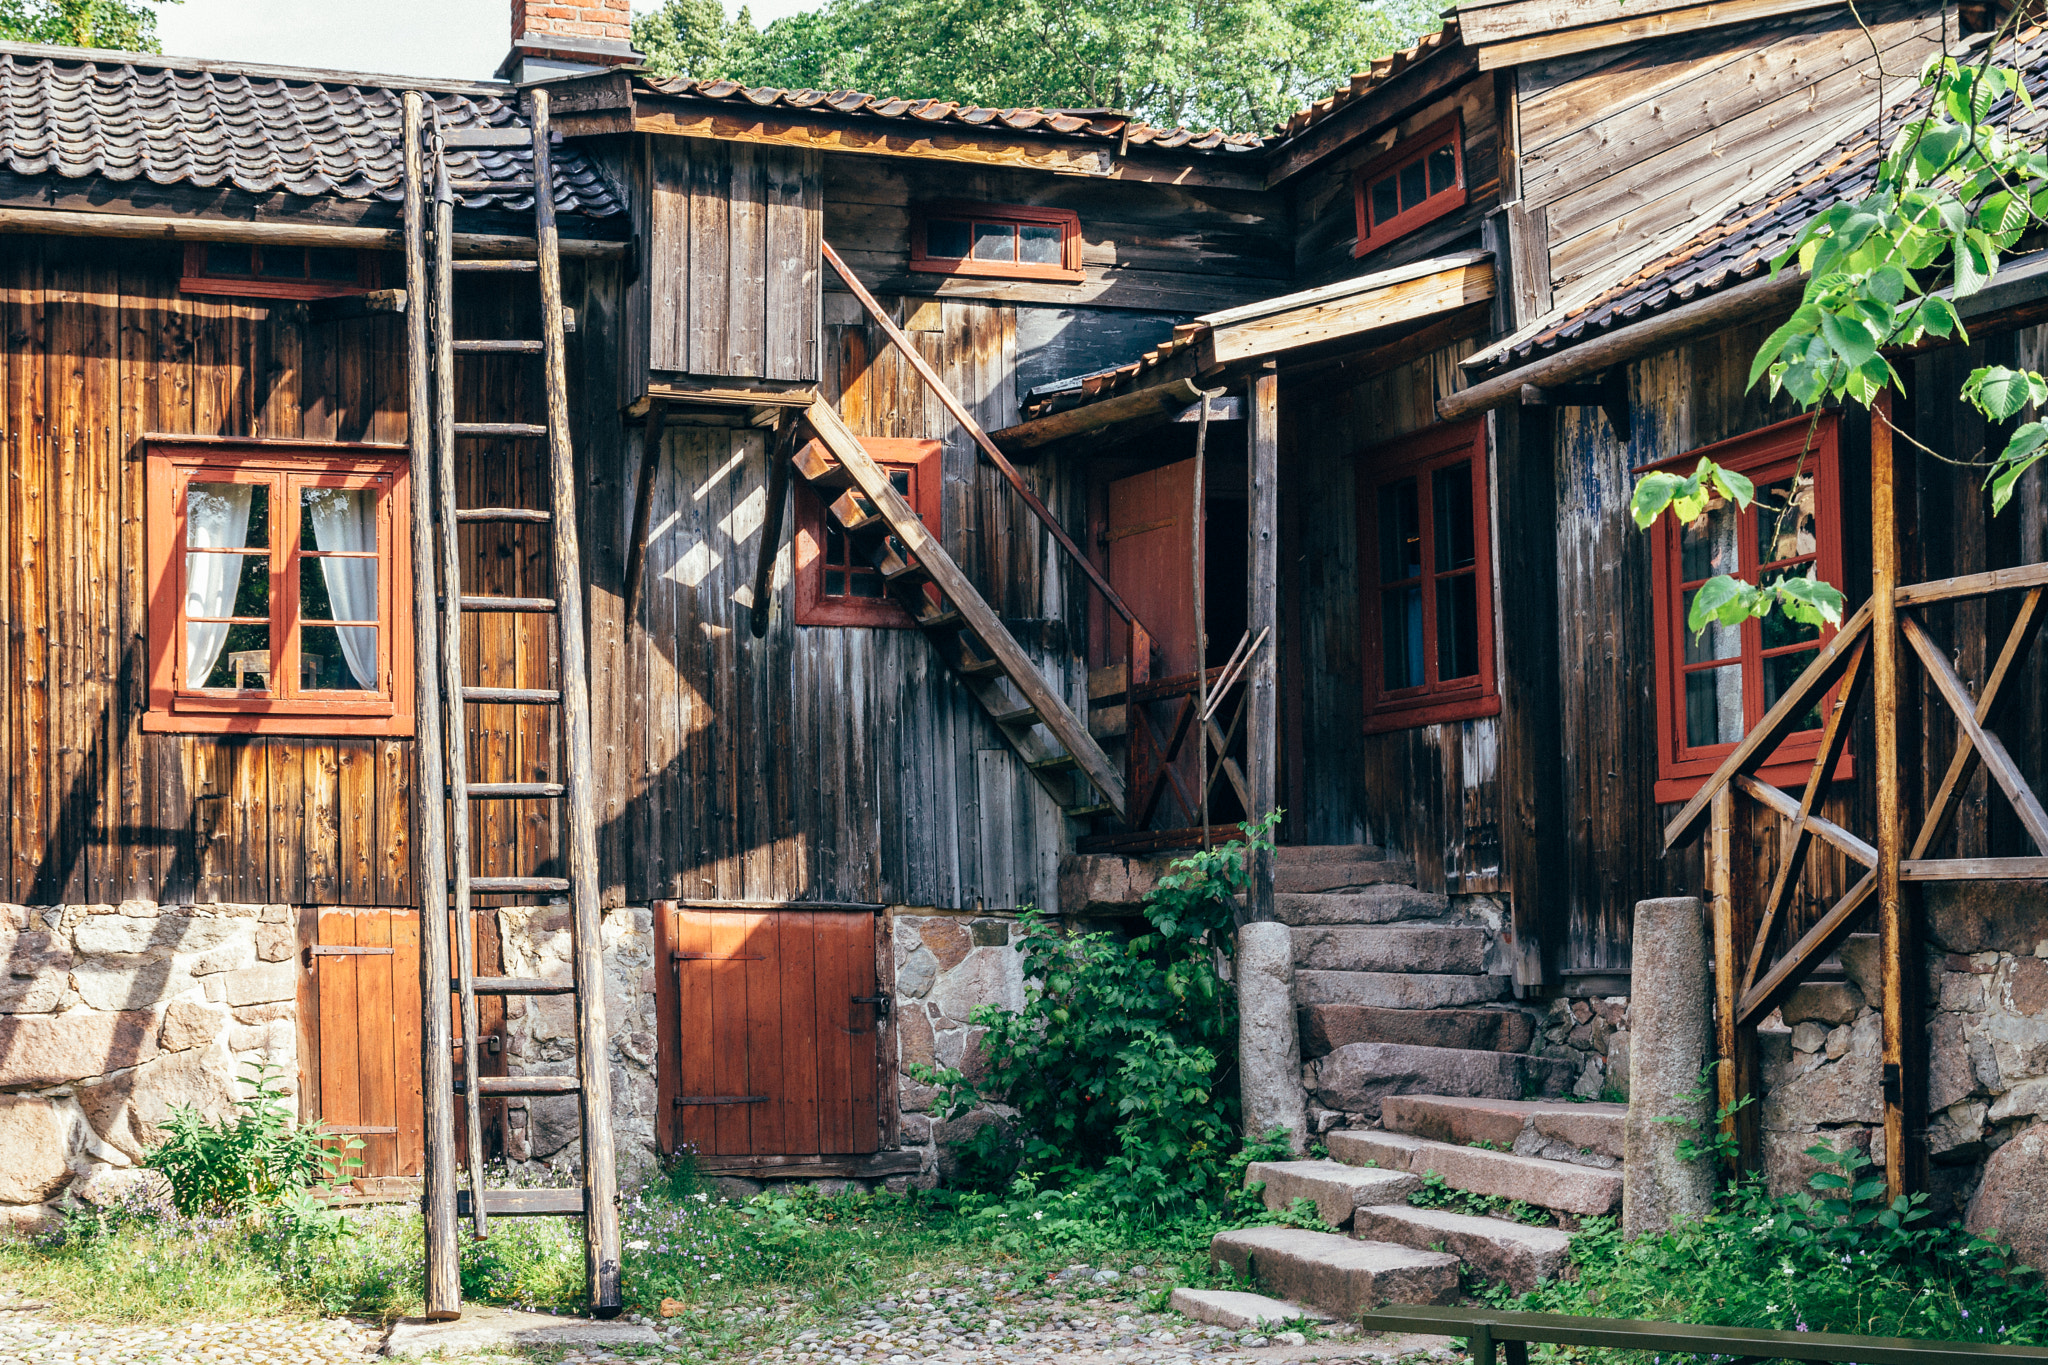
1890, 283
1721, 598
2021, 453
1849, 336
2000, 392
1732, 485
1938, 316
1653, 494
1809, 601
1802, 322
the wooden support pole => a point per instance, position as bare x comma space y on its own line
1262, 620
781, 451
1732, 908
1896, 945
643, 497
430, 839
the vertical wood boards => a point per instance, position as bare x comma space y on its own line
733, 260
365, 1072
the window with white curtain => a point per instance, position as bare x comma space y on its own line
278, 582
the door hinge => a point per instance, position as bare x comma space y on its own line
880, 1002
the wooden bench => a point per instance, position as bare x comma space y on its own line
1484, 1328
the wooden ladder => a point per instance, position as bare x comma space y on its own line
882, 528
444, 696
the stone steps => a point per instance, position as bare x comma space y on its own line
1581, 1190
1237, 1310
1303, 875
1454, 949
1581, 1134
1383, 903
1496, 1248
1338, 1274
1358, 1078
1396, 990
1336, 1188
1304, 855
1325, 1028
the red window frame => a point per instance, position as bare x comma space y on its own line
1765, 456
281, 468
197, 278
1420, 457
814, 605
1068, 270
1409, 151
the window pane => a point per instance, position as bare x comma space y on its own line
1715, 642
1386, 201
227, 585
995, 242
228, 656
337, 589
1707, 546
865, 584
225, 259
1457, 627
1443, 169
338, 519
1785, 520
1400, 532
835, 542
1713, 705
945, 239
835, 583
338, 658
1401, 637
1778, 629
332, 265
1780, 672
899, 479
227, 515
1450, 500
1039, 243
1412, 186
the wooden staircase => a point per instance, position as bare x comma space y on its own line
881, 526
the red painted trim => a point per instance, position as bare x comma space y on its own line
1372, 236
282, 469
813, 607
1417, 456
1763, 455
1068, 271
195, 279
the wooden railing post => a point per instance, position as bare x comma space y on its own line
1732, 906
1896, 946
1262, 619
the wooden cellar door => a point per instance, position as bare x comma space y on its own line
769, 1024
1150, 548
363, 1076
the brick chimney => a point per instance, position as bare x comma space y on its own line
568, 37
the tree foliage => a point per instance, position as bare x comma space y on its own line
125, 25
1239, 65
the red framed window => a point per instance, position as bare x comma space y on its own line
1426, 565
277, 574
1418, 182
835, 586
276, 272
1712, 687
1001, 241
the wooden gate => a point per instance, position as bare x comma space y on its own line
769, 1022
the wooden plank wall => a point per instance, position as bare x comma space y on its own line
830, 762
1327, 216
1623, 146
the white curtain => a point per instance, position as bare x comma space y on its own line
216, 517
347, 520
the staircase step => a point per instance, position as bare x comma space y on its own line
1584, 1134
1358, 1078
1495, 1247
1396, 990
1336, 1188
1336, 1273
1325, 1028
1381, 904
1238, 1310
1458, 949
1532, 1180
1303, 877
1302, 855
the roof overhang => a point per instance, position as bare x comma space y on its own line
1514, 32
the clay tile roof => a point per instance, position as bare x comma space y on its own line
1383, 69
1087, 125
77, 114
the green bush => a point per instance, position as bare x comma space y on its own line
1121, 1067
254, 1161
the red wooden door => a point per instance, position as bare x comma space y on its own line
769, 1026
364, 1074
1150, 554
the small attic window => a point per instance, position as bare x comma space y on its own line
1419, 181
999, 241
276, 272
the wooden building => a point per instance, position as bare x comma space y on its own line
933, 467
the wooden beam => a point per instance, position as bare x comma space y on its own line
1816, 943
773, 393
1450, 65
1973, 869
781, 454
1546, 42
1346, 310
1898, 953
643, 498
2026, 625
1734, 926
1991, 750
1262, 621
1973, 585
140, 227
1134, 411
1859, 850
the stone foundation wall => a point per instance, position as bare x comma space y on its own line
946, 967
1590, 1032
112, 1014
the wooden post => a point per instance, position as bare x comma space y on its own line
643, 495
430, 847
1895, 936
1262, 617
593, 1037
781, 451
1733, 905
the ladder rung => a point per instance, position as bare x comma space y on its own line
524, 1203
540, 604
514, 790
534, 515
513, 985
497, 886
941, 620
510, 267
517, 1087
518, 430
497, 347
487, 137
1023, 715
534, 696
490, 186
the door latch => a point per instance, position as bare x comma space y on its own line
880, 1002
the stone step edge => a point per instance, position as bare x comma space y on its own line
1585, 1191
1240, 1309
1535, 1130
